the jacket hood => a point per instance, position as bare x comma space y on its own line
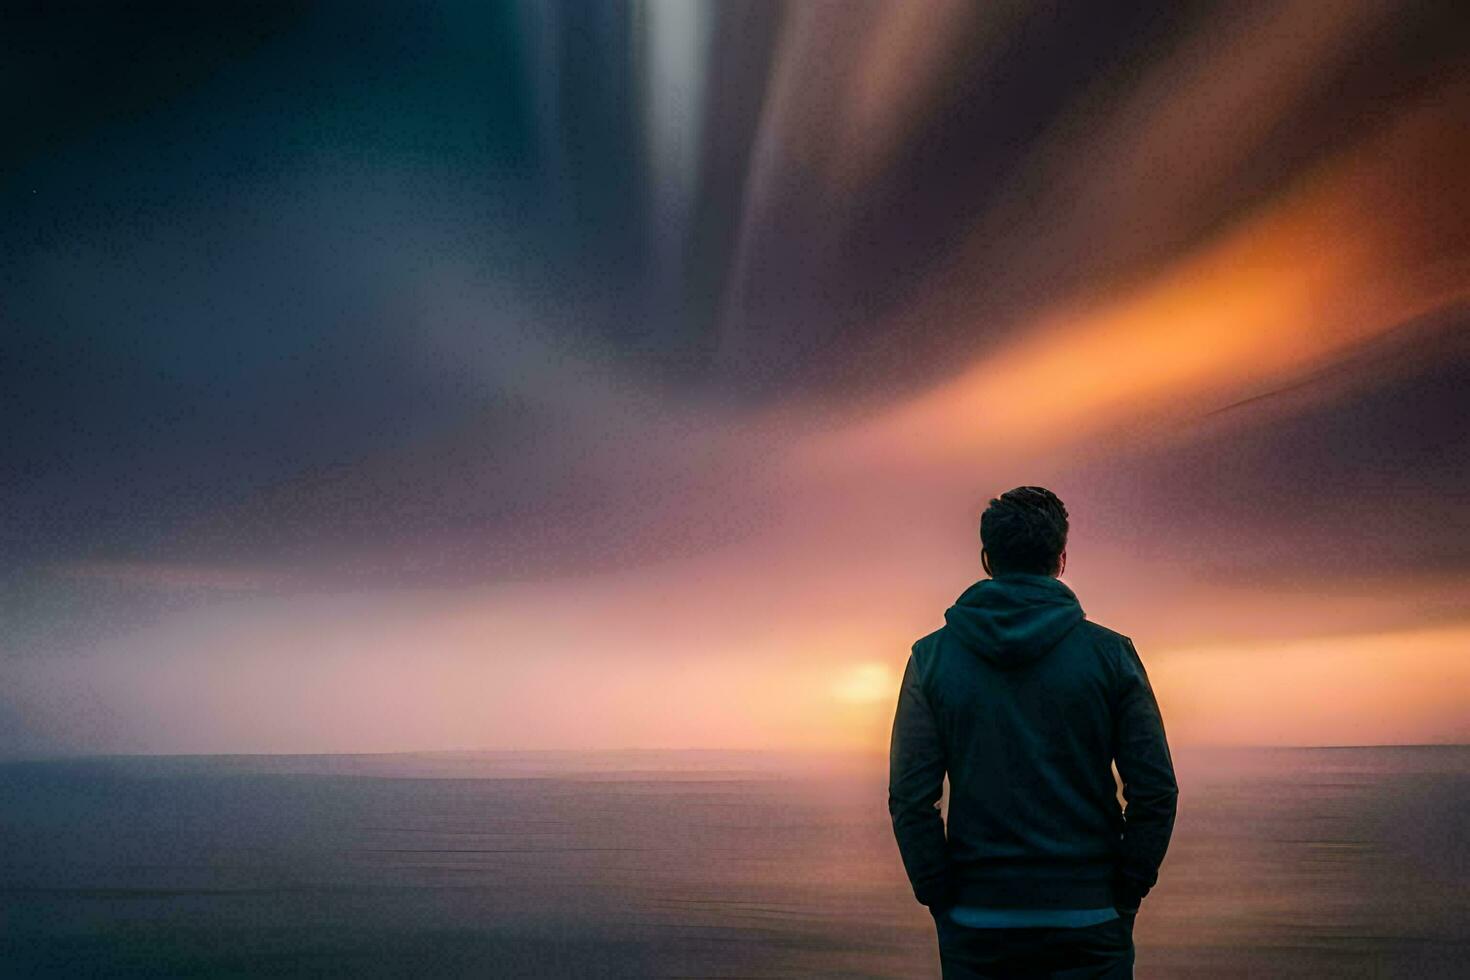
1014, 619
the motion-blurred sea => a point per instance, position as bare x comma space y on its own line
1288, 862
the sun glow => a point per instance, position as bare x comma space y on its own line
868, 683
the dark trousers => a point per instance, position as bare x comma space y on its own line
1103, 951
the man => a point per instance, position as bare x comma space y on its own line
1025, 704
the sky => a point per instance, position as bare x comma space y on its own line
384, 376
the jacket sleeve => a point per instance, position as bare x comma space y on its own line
916, 766
1150, 792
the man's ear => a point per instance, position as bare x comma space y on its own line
1062, 564
985, 563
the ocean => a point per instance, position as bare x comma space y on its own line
1285, 862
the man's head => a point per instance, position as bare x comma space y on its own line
1024, 530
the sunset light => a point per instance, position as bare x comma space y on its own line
495, 488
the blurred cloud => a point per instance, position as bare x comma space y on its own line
1351, 254
582, 374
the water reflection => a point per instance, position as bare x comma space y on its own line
1285, 862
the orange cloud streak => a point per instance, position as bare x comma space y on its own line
1357, 250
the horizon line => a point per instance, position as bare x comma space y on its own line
849, 752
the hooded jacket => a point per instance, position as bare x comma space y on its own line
1025, 704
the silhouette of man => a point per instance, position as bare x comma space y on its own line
1026, 705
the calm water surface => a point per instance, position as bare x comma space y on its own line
1347, 862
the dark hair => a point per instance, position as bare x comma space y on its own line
1024, 530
